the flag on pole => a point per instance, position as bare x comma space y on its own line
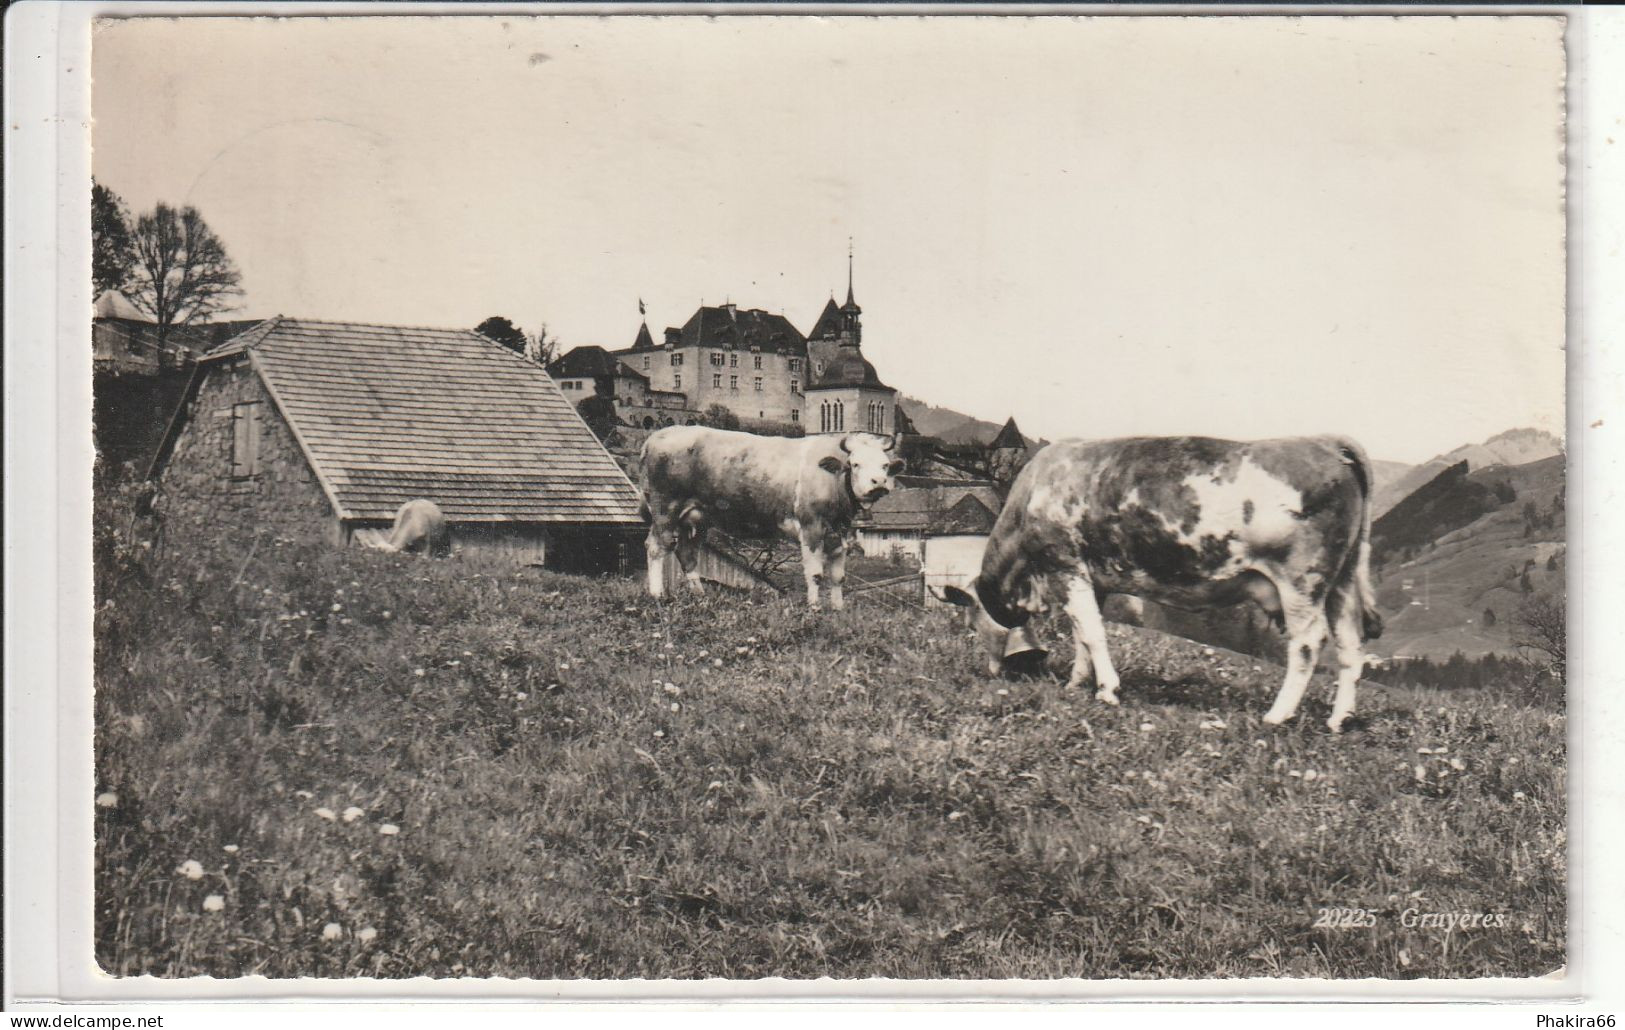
640, 306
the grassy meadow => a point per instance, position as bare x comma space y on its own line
347, 763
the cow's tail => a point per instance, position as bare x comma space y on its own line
1370, 618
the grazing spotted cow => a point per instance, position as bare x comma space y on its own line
1191, 523
761, 486
419, 525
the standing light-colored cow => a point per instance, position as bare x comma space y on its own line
808, 490
1192, 523
419, 525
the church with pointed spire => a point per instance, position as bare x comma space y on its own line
758, 366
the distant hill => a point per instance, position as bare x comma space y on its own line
1445, 563
952, 426
1513, 447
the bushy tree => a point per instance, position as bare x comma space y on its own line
719, 417
504, 332
112, 246
181, 273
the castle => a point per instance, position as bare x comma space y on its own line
753, 363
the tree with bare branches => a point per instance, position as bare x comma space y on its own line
1540, 633
182, 273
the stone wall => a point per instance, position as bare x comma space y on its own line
198, 489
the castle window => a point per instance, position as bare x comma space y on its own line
733, 382
795, 414
646, 362
795, 364
758, 384
245, 440
677, 381
840, 416
716, 359
716, 380
758, 361
733, 361
676, 359
795, 386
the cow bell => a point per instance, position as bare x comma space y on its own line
1023, 655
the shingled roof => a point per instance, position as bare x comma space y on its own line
388, 413
1009, 438
927, 508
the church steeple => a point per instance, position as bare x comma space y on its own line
851, 321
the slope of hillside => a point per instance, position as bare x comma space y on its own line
947, 424
1513, 447
1458, 588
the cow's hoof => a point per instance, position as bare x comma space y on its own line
1273, 718
1106, 697
1335, 723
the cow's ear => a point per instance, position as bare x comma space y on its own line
954, 595
831, 464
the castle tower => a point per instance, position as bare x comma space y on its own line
1006, 455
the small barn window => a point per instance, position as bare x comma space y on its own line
245, 440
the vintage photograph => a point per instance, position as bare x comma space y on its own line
934, 498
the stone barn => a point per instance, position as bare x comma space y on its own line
298, 427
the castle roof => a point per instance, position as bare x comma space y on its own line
847, 369
1009, 437
591, 360
644, 340
828, 326
733, 328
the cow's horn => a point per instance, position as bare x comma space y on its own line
896, 438
846, 444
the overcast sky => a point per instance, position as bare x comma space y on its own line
1237, 227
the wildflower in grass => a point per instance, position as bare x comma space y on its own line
326, 813
741, 650
1309, 775
717, 662
954, 817
1207, 652
338, 607
213, 903
389, 829
353, 813
230, 849
305, 794
1260, 743
385, 613
107, 799
1420, 773
366, 935
192, 869
1457, 764
417, 672
714, 785
1518, 795
1002, 692
675, 706
216, 629
660, 733
673, 689
703, 653
1295, 774
332, 932
519, 695
1146, 727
